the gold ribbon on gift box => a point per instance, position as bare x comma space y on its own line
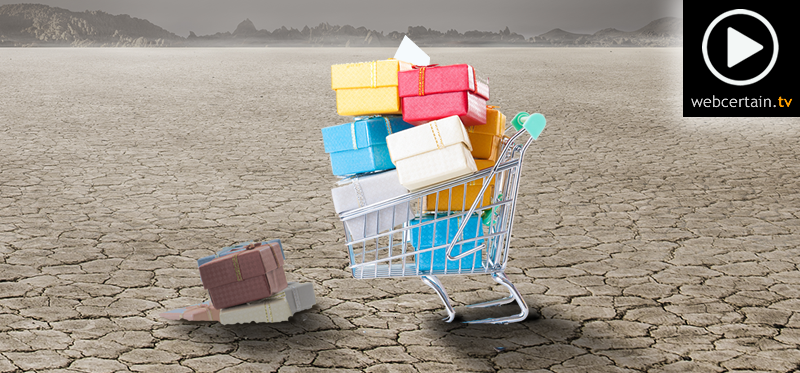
268, 305
373, 67
388, 125
421, 77
362, 201
436, 135
353, 135
236, 268
235, 259
421, 81
268, 311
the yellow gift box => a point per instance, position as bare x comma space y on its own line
367, 88
458, 202
487, 139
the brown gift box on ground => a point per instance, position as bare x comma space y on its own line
487, 139
246, 276
457, 203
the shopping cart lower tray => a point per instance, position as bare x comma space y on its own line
428, 237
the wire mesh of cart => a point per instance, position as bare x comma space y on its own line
435, 231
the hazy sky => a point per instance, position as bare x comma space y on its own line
526, 17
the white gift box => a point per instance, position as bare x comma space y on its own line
366, 190
277, 308
431, 153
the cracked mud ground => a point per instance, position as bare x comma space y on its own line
643, 241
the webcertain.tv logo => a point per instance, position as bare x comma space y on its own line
743, 102
733, 66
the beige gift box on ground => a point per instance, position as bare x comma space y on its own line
431, 153
277, 308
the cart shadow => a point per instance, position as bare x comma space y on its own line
467, 316
470, 340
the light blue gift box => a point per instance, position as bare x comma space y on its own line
444, 235
235, 249
360, 147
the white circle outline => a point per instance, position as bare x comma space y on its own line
774, 42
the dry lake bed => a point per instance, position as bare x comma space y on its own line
644, 241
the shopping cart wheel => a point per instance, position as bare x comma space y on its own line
434, 283
501, 278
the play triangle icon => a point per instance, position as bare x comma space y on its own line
740, 47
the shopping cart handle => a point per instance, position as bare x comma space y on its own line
533, 123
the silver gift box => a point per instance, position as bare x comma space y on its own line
366, 190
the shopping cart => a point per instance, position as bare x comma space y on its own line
442, 234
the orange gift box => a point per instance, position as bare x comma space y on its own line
487, 139
457, 203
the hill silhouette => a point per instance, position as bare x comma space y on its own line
663, 32
42, 25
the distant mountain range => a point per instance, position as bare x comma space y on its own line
24, 25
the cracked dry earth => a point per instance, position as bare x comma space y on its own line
644, 242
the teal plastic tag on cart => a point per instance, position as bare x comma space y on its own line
519, 120
533, 123
487, 216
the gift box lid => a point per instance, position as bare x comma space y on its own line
254, 260
425, 80
427, 137
381, 73
361, 133
495, 123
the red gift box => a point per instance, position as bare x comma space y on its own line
433, 92
251, 274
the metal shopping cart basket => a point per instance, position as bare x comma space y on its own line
441, 234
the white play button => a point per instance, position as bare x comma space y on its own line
740, 47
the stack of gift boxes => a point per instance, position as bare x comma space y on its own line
246, 283
415, 125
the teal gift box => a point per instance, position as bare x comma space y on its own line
235, 249
435, 260
360, 147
